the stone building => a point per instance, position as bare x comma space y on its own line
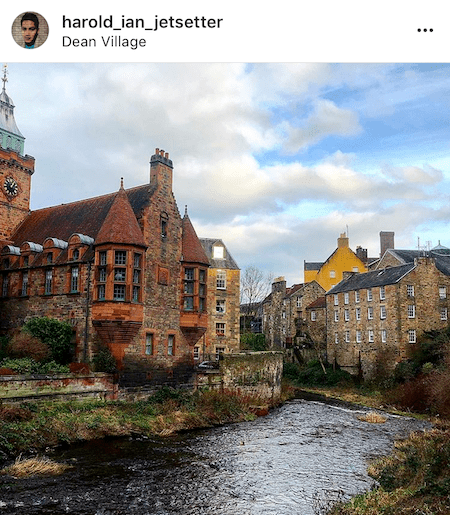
343, 259
124, 268
223, 302
284, 312
374, 319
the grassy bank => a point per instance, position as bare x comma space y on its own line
33, 427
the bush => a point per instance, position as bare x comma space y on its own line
291, 370
104, 361
313, 375
57, 335
30, 366
254, 342
24, 345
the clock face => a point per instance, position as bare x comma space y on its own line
11, 187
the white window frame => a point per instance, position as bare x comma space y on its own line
371, 336
411, 311
346, 315
336, 299
444, 314
357, 296
358, 336
347, 336
383, 313
412, 337
383, 336
369, 294
358, 313
382, 293
221, 280
336, 315
370, 313
221, 306
442, 292
336, 337
313, 316
346, 298
410, 290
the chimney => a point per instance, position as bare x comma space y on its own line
362, 254
161, 169
342, 241
386, 241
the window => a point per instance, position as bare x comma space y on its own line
355, 269
102, 257
357, 296
137, 260
136, 293
101, 292
102, 275
358, 313
411, 311
412, 336
221, 279
336, 299
336, 315
332, 274
299, 302
119, 274
346, 298
371, 338
336, 337
346, 315
48, 282
197, 353
382, 312
369, 313
313, 316
188, 301
149, 344
218, 252
202, 290
50, 258
369, 294
25, 284
410, 290
219, 351
74, 279
171, 345
382, 293
442, 292
383, 336
444, 314
119, 292
75, 255
164, 218
120, 257
220, 329
220, 306
283, 314
358, 336
347, 336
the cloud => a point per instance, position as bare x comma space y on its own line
326, 120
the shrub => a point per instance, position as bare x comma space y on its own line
254, 342
24, 345
313, 375
57, 335
104, 361
30, 366
291, 370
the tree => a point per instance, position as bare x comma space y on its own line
255, 286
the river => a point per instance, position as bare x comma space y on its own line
295, 461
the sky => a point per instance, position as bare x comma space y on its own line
275, 159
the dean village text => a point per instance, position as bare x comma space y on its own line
110, 41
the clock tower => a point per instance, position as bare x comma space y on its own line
15, 169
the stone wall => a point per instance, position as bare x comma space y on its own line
21, 388
255, 373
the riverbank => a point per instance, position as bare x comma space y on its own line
415, 478
31, 428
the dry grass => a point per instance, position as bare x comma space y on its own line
373, 417
23, 468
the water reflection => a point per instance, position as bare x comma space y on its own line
294, 461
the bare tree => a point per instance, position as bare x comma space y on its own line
255, 286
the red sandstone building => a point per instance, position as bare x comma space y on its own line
124, 268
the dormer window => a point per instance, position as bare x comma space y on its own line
218, 252
76, 255
49, 257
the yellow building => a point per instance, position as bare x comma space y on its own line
343, 259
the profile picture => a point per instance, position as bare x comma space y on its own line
30, 30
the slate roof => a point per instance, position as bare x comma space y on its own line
84, 216
312, 265
408, 256
227, 263
372, 279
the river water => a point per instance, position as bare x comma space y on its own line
295, 461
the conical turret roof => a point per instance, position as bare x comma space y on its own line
192, 249
120, 225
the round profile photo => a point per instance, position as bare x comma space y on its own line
30, 30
